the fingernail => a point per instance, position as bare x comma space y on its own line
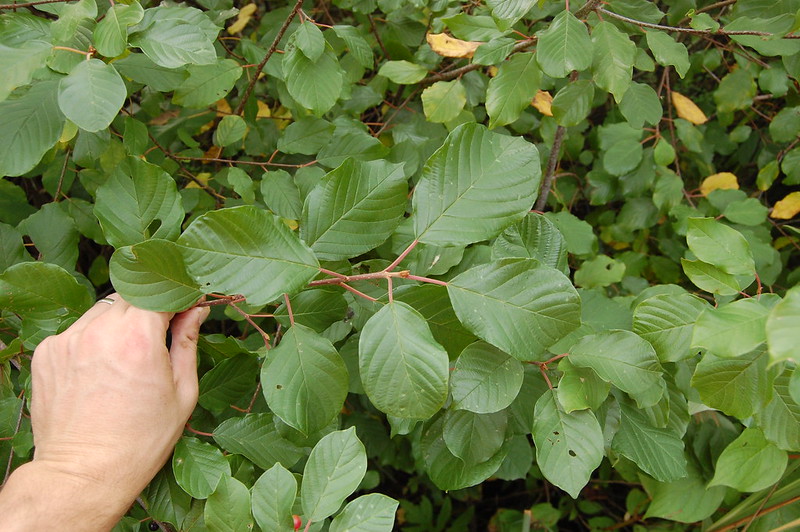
202, 314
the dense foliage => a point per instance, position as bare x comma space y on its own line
456, 253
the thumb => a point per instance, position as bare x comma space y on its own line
185, 328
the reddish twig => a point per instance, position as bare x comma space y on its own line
402, 256
289, 309
198, 432
31, 4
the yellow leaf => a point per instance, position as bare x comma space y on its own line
787, 208
542, 101
245, 14
722, 180
447, 46
687, 109
263, 110
283, 117
203, 177
492, 71
223, 108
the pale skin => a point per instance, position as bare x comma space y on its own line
109, 402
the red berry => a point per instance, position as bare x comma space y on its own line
297, 522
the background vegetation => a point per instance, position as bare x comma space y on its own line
502, 265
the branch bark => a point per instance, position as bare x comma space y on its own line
262, 64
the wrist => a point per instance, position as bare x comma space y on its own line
41, 495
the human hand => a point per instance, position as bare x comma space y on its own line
109, 401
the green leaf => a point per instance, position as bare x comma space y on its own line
534, 237
255, 437
738, 387
564, 46
785, 124
658, 452
433, 302
172, 43
12, 249
667, 321
568, 446
305, 380
625, 360
509, 11
281, 194
44, 295
735, 91
142, 69
354, 209
485, 379
749, 211
227, 382
262, 263
230, 130
308, 38
316, 85
358, 45
356, 144
750, 463
580, 388
139, 201
152, 275
369, 513
403, 72
472, 437
710, 278
135, 137
316, 308
273, 497
641, 105
510, 92
444, 100
306, 136
31, 125
783, 328
166, 501
474, 186
578, 234
198, 467
228, 508
517, 305
600, 271
494, 51
612, 59
111, 33
780, 418
687, 500
448, 471
722, 246
622, 157
53, 232
19, 64
403, 369
207, 83
733, 329
334, 470
573, 103
667, 51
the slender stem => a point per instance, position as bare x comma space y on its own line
198, 432
759, 513
453, 74
552, 161
425, 279
587, 8
16, 430
269, 53
333, 273
690, 31
390, 289
249, 320
402, 256
360, 277
234, 161
31, 4
357, 292
289, 309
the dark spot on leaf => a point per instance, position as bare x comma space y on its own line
572, 453
279, 387
555, 433
154, 226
